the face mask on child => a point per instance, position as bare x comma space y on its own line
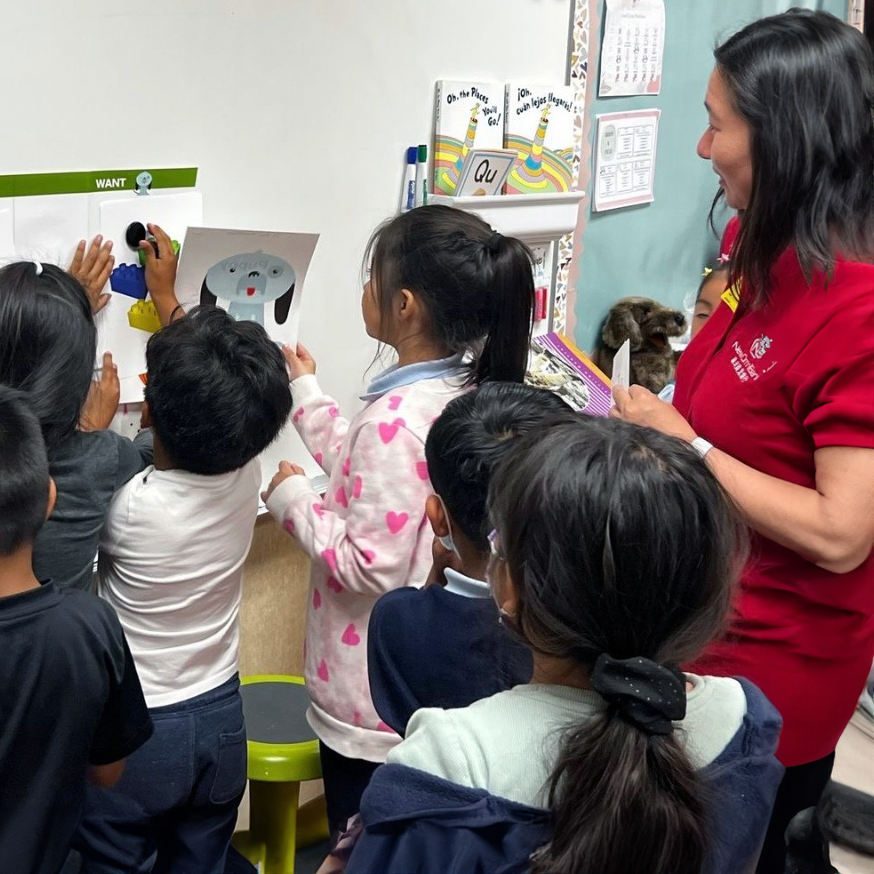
446, 540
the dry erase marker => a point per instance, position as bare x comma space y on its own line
422, 176
408, 193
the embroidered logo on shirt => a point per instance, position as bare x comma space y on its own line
760, 346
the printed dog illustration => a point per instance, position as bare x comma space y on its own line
248, 281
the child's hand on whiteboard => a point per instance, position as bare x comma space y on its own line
286, 470
92, 265
300, 362
102, 402
161, 273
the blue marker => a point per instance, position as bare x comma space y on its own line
408, 193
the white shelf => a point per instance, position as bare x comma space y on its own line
531, 217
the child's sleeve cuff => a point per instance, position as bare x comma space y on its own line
285, 493
305, 388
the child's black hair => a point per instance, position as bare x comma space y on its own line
24, 472
618, 540
217, 390
48, 343
477, 285
472, 434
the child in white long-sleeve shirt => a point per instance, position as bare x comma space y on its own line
454, 299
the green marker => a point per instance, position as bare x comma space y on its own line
422, 176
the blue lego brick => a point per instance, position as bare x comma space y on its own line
129, 279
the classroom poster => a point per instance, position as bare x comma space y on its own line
625, 158
632, 50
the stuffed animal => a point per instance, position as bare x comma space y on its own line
649, 326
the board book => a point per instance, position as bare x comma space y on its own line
539, 126
468, 115
555, 363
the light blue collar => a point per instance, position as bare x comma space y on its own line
459, 584
395, 376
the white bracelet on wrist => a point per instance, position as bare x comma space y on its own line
701, 446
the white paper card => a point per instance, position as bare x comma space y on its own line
625, 158
633, 48
7, 232
48, 227
116, 333
622, 366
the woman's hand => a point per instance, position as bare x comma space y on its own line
160, 274
300, 362
641, 407
92, 265
101, 404
286, 470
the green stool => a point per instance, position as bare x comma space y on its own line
283, 752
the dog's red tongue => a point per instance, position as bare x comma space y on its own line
658, 340
250, 291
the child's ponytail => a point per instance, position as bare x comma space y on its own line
504, 354
624, 795
621, 548
477, 285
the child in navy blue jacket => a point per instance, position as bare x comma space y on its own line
615, 551
443, 646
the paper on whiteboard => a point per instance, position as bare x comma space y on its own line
633, 47
622, 366
48, 227
174, 213
7, 235
625, 158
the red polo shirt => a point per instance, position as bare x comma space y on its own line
769, 388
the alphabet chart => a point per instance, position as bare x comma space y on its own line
631, 54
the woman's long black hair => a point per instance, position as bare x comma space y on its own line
48, 344
804, 82
618, 540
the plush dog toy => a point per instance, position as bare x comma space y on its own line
649, 326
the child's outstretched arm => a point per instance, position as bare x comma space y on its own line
316, 415
160, 274
370, 548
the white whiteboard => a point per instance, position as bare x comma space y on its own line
297, 113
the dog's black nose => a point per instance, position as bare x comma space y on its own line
254, 274
680, 319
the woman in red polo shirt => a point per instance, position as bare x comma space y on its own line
781, 382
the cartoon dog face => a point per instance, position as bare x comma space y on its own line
248, 281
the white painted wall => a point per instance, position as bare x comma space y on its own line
297, 112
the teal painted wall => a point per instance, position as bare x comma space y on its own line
658, 250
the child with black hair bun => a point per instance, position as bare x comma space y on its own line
454, 299
171, 564
614, 554
460, 652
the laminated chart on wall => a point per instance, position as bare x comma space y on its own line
632, 50
44, 215
625, 158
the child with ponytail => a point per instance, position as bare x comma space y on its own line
614, 554
454, 299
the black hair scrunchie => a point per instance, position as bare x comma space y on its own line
647, 694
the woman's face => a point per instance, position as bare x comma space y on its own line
726, 144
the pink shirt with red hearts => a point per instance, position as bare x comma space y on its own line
367, 535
